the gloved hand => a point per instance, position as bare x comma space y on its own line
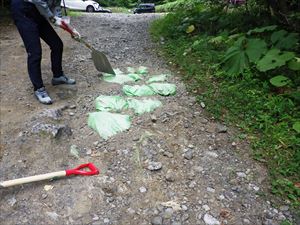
62, 24
56, 21
75, 34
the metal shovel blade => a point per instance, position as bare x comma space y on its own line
101, 62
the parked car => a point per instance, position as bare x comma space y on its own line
84, 5
145, 8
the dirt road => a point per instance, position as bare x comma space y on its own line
205, 173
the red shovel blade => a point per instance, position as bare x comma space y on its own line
80, 170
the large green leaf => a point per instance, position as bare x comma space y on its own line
235, 61
296, 127
274, 58
262, 29
294, 64
284, 40
255, 49
280, 81
243, 51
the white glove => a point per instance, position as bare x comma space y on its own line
75, 34
56, 21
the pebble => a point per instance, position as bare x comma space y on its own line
189, 154
209, 189
154, 166
202, 104
44, 196
96, 218
170, 176
168, 213
12, 201
157, 220
246, 221
284, 208
211, 154
221, 128
241, 174
206, 207
106, 220
143, 189
210, 220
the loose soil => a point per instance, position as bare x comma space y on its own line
207, 175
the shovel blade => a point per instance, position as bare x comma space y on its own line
101, 62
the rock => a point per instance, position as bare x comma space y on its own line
51, 113
284, 208
55, 130
170, 176
246, 221
209, 189
96, 218
221, 128
188, 154
52, 215
12, 201
106, 220
241, 174
168, 213
154, 166
157, 220
176, 223
153, 118
211, 154
206, 207
44, 196
210, 220
202, 104
142, 189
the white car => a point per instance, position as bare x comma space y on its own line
83, 5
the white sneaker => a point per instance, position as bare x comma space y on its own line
42, 95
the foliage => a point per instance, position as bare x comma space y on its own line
243, 66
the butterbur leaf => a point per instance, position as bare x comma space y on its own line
284, 40
294, 64
296, 127
190, 29
274, 58
255, 49
262, 29
235, 61
279, 81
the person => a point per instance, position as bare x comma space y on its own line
32, 19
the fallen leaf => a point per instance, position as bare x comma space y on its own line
48, 187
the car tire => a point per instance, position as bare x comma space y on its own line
90, 8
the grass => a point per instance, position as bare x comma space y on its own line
120, 10
248, 102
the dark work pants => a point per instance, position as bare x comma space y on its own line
32, 26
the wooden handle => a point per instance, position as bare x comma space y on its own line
25, 180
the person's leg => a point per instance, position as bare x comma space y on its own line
28, 29
29, 32
48, 34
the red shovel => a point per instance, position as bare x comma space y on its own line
76, 171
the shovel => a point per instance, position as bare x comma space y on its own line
100, 60
76, 171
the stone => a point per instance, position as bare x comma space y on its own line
206, 207
221, 128
241, 174
210, 220
157, 220
154, 166
188, 154
142, 189
170, 176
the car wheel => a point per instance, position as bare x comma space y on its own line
90, 8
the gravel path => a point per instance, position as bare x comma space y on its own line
173, 166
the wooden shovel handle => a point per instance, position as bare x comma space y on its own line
26, 180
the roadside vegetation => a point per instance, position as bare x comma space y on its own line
243, 62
